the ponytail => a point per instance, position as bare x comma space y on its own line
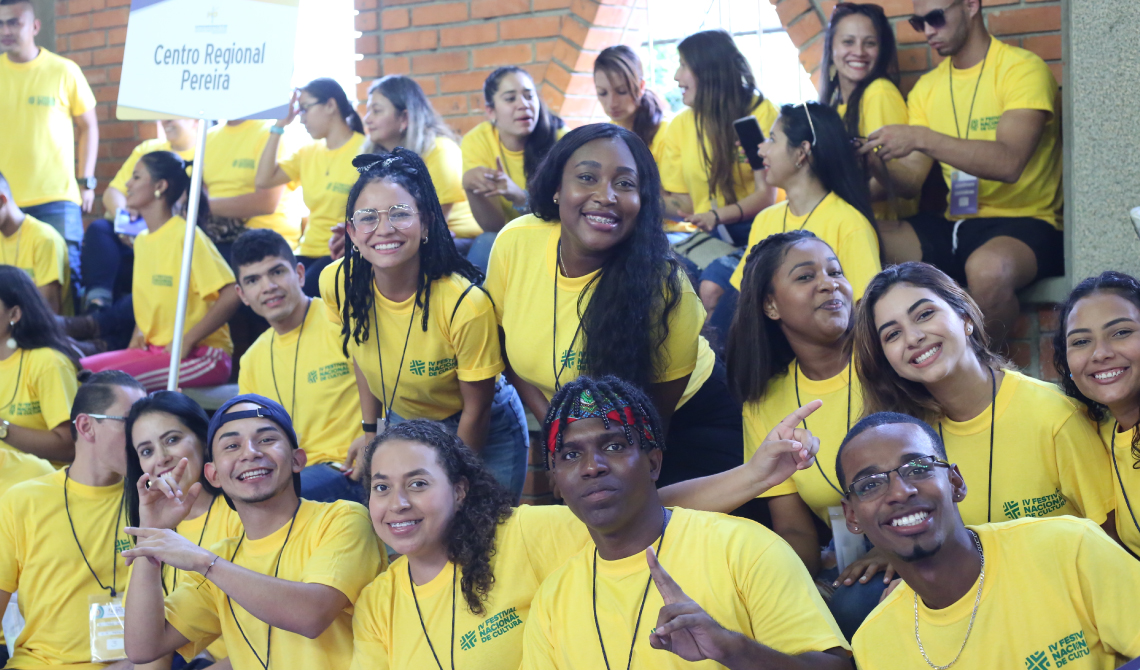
324, 88
175, 171
623, 62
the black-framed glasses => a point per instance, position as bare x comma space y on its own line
400, 216
916, 470
303, 109
935, 19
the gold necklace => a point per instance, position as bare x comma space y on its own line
977, 601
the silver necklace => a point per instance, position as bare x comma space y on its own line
977, 601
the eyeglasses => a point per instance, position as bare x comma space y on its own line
810, 123
935, 19
302, 109
400, 216
917, 470
108, 416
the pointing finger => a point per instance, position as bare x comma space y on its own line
794, 419
669, 589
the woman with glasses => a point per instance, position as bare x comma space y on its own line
921, 349
861, 60
323, 168
421, 331
37, 383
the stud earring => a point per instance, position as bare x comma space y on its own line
855, 528
157, 193
556, 200
970, 329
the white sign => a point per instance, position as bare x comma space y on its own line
208, 59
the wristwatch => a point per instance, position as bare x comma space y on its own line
4, 429
88, 183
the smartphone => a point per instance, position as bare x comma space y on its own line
748, 130
125, 224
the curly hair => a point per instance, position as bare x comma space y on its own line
883, 389
471, 532
626, 321
1114, 283
438, 256
608, 390
545, 133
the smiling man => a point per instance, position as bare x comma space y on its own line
299, 362
748, 585
293, 575
1031, 593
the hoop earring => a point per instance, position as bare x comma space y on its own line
424, 240
356, 248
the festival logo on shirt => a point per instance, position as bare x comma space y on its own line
491, 628
162, 280
337, 187
984, 124
572, 360
328, 372
42, 100
122, 545
432, 368
1060, 653
245, 163
1034, 507
26, 408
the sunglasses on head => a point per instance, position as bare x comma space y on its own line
935, 19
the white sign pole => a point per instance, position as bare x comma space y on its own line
187, 253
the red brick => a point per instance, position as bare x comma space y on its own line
1022, 327
1025, 20
365, 4
600, 38
449, 105
1048, 318
514, 54
537, 483
117, 130
907, 82
811, 55
467, 35
463, 124
366, 22
552, 96
529, 28
428, 84
894, 8
575, 31
1056, 69
476, 101
613, 17
544, 49
991, 3
914, 59
118, 3
368, 67
436, 13
362, 91
394, 19
108, 56
805, 28
1021, 354
116, 36
106, 171
448, 61
462, 81
412, 40
581, 83
111, 18
95, 76
61, 8
85, 6
558, 76
61, 45
72, 24
483, 9
1048, 47
906, 34
368, 44
396, 65
1048, 371
788, 10
578, 106
565, 52
544, 5
114, 73
827, 7
586, 10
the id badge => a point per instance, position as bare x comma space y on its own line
963, 194
106, 616
849, 547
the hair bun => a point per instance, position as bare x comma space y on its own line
398, 157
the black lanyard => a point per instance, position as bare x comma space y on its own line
420, 614
201, 536
16, 390
800, 404
993, 415
1116, 466
785, 225
296, 353
114, 547
399, 370
636, 626
269, 632
978, 85
554, 339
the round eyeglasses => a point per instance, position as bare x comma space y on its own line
400, 216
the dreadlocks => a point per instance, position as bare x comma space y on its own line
608, 398
438, 256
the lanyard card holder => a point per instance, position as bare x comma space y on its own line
849, 547
106, 616
963, 194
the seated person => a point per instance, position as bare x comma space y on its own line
36, 248
1031, 593
156, 186
37, 382
57, 531
986, 113
319, 388
605, 455
292, 551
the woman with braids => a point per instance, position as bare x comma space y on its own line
37, 383
708, 180
861, 60
587, 283
323, 168
502, 154
155, 189
921, 349
421, 331
1096, 351
166, 445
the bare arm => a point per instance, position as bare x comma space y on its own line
475, 419
369, 412
792, 520
269, 173
261, 202
149, 636
113, 199
665, 397
482, 195
217, 316
51, 293
533, 398
677, 205
54, 445
87, 139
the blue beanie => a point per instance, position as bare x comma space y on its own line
268, 409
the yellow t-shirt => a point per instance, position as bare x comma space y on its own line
1012, 78
326, 177
147, 146
842, 397
1125, 483
520, 279
445, 166
529, 545
481, 146
41, 251
19, 467
38, 100
331, 544
42, 400
741, 573
158, 266
463, 349
1058, 593
883, 105
230, 166
1047, 457
39, 556
834, 221
326, 411
685, 170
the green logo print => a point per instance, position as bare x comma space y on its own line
417, 367
1037, 661
312, 377
467, 641
122, 545
1011, 510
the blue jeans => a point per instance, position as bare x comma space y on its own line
505, 451
480, 252
324, 482
107, 263
67, 218
850, 605
313, 267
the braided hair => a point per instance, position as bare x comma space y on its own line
606, 391
438, 256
